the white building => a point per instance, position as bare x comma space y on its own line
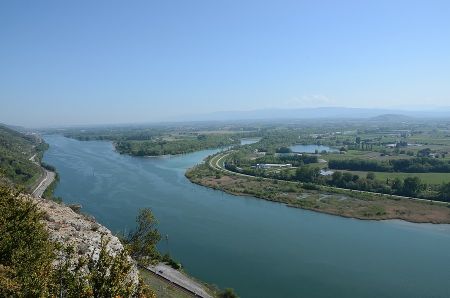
326, 172
272, 165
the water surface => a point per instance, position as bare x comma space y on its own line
248, 141
261, 249
311, 148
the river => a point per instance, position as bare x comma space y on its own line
259, 248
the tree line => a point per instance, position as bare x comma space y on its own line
408, 186
413, 165
179, 146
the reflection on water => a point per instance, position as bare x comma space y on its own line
312, 148
261, 249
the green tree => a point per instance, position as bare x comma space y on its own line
142, 241
412, 186
370, 176
337, 176
109, 275
106, 276
424, 152
444, 192
284, 150
26, 253
70, 278
307, 174
27, 256
397, 185
228, 293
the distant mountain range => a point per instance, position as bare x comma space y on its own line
324, 112
392, 117
282, 114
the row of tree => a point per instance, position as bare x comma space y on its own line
413, 165
408, 186
179, 146
295, 160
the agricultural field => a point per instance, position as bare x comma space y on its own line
321, 199
405, 159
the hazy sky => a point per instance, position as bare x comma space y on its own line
73, 62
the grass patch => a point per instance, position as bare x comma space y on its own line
162, 288
329, 200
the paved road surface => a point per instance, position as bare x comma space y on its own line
179, 279
42, 186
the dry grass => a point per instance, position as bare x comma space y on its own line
358, 206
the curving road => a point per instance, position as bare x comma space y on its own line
49, 177
215, 164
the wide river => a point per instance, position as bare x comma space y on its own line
259, 248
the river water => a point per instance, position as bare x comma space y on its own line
259, 248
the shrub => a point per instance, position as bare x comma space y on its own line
26, 252
27, 256
310, 186
228, 293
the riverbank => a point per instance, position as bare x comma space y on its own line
166, 142
243, 236
66, 225
357, 205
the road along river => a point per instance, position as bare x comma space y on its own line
259, 248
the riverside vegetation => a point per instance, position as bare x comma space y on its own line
393, 153
163, 140
32, 264
382, 155
48, 249
370, 175
250, 227
311, 197
16, 149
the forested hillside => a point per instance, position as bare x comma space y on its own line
43, 247
16, 150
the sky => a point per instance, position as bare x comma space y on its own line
92, 62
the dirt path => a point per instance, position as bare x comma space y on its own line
32, 158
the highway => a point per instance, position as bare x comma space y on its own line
49, 177
178, 279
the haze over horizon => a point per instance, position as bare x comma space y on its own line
115, 62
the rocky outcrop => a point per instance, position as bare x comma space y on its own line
79, 231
